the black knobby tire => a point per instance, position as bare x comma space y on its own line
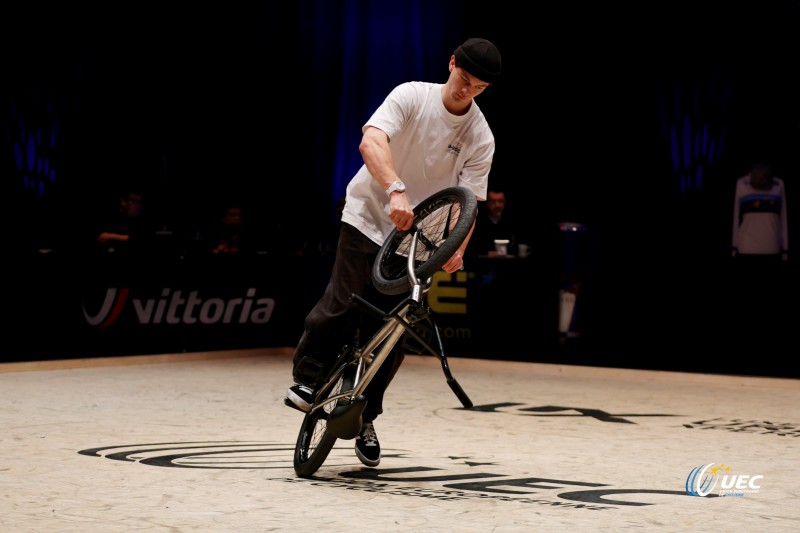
314, 443
441, 222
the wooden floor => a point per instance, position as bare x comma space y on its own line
202, 442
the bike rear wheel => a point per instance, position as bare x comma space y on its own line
442, 223
314, 442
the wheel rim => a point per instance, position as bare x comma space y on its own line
433, 225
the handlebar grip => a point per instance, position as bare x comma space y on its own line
465, 401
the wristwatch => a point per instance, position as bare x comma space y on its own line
398, 186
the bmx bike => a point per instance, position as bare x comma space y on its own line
406, 262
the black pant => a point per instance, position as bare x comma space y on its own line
333, 321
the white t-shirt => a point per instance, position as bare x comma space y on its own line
759, 219
432, 149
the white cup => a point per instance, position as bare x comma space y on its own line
501, 246
523, 250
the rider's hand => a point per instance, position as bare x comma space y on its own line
454, 263
400, 212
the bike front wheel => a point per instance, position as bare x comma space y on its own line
315, 442
441, 223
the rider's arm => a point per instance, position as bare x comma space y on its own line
377, 156
456, 262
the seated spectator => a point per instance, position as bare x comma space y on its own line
227, 238
494, 223
127, 228
222, 234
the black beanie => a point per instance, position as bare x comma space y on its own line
480, 58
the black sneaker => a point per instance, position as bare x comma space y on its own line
368, 449
299, 397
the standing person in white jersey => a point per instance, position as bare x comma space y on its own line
760, 227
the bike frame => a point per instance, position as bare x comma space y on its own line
368, 360
387, 336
